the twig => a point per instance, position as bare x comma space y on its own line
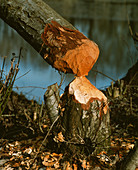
103, 74
45, 138
131, 105
23, 75
62, 79
129, 84
30, 87
129, 26
135, 38
3, 66
133, 78
9, 81
8, 115
40, 116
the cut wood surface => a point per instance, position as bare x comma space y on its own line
69, 50
85, 93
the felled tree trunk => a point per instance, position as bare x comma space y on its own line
29, 18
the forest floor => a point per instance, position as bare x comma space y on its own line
27, 140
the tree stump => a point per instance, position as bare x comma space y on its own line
85, 125
51, 98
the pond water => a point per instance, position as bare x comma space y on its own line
102, 21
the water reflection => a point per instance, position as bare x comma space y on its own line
96, 9
117, 53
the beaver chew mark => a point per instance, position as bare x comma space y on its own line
85, 93
70, 51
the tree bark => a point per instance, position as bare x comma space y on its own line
28, 18
51, 98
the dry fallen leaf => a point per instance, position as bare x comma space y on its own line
75, 167
59, 138
68, 166
51, 159
83, 164
28, 150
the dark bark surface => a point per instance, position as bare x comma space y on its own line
28, 18
85, 127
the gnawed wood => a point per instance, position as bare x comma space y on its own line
69, 50
51, 98
85, 93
